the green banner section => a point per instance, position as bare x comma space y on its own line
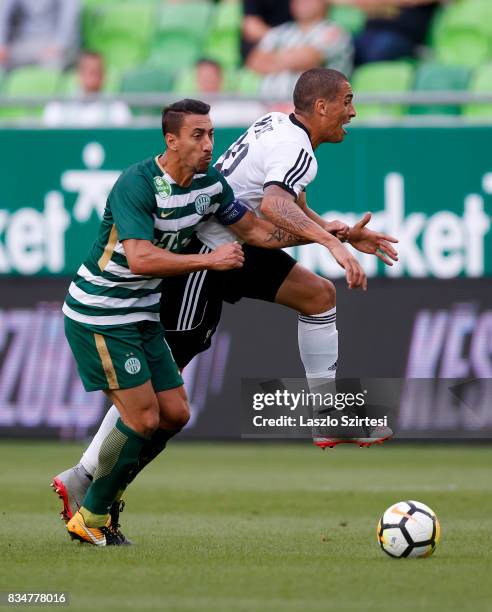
430, 187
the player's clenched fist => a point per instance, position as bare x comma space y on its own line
227, 256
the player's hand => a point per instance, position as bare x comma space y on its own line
354, 273
338, 229
375, 243
226, 257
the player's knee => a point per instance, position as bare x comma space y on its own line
174, 409
178, 415
148, 418
322, 296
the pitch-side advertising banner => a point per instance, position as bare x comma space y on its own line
430, 187
418, 352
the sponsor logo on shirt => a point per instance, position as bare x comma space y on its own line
202, 203
162, 186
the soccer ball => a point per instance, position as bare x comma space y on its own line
408, 529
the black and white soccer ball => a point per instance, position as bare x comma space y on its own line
409, 529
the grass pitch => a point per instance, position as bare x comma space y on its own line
257, 527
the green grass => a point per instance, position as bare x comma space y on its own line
257, 527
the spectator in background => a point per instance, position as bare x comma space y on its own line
209, 76
307, 42
209, 82
87, 111
259, 17
393, 29
44, 32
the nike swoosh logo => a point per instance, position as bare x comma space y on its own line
164, 215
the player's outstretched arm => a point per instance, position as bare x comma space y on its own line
263, 233
279, 207
148, 260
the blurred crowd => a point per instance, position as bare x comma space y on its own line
278, 40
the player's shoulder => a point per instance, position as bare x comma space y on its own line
282, 128
139, 177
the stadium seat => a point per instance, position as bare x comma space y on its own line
480, 83
382, 77
175, 51
440, 77
462, 33
223, 38
192, 17
146, 79
223, 47
122, 32
228, 16
29, 81
248, 82
463, 46
350, 18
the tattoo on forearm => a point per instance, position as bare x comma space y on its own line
283, 238
289, 216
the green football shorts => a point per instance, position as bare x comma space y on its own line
122, 356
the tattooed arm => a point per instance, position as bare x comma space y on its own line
263, 233
279, 207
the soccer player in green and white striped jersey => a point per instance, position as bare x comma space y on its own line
112, 307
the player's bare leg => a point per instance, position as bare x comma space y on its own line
314, 298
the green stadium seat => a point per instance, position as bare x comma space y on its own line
382, 77
223, 47
121, 32
122, 53
248, 82
462, 33
440, 77
480, 83
146, 79
29, 81
463, 46
32, 80
228, 16
192, 17
177, 50
350, 18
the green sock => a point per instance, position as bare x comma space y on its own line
118, 457
151, 448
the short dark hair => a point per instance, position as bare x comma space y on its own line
173, 115
314, 84
208, 62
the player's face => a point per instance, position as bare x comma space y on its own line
195, 142
337, 113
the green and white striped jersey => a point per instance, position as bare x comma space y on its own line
146, 204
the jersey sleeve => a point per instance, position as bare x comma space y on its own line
289, 166
132, 204
230, 210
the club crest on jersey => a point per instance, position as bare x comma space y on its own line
202, 203
162, 186
133, 365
